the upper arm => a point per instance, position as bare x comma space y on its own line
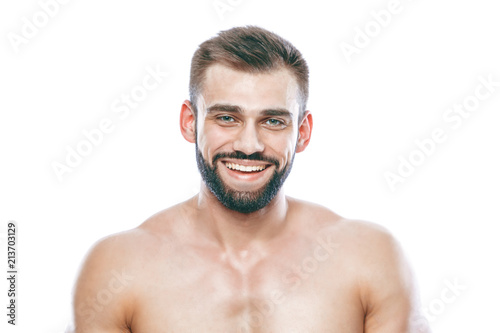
102, 294
392, 301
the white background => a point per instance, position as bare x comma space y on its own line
366, 113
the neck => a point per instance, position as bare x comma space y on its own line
239, 232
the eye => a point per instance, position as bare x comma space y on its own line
273, 122
226, 119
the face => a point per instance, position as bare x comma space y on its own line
246, 135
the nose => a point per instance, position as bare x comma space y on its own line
248, 140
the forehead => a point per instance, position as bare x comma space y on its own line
250, 91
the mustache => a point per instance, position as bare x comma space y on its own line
242, 156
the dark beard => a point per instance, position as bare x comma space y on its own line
242, 201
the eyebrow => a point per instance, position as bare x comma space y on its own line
277, 112
236, 109
225, 108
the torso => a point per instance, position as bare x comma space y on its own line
306, 283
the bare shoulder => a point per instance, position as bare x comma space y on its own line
320, 217
366, 244
387, 284
105, 290
369, 254
361, 242
126, 248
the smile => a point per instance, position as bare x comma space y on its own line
244, 168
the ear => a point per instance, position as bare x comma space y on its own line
305, 130
188, 122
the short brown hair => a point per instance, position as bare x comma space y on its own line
250, 49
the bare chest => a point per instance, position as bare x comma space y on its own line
302, 292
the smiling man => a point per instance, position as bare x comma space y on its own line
241, 256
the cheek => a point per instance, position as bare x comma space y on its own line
282, 148
211, 139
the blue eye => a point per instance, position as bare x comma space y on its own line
274, 122
226, 119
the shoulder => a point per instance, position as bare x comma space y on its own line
354, 230
103, 289
370, 249
386, 283
361, 241
370, 261
370, 256
379, 255
128, 247
121, 248
109, 277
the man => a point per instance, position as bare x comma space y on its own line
241, 256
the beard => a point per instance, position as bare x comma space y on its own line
242, 201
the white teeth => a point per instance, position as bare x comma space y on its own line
244, 168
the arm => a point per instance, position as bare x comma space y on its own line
392, 302
101, 302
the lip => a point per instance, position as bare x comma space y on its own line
246, 179
246, 162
